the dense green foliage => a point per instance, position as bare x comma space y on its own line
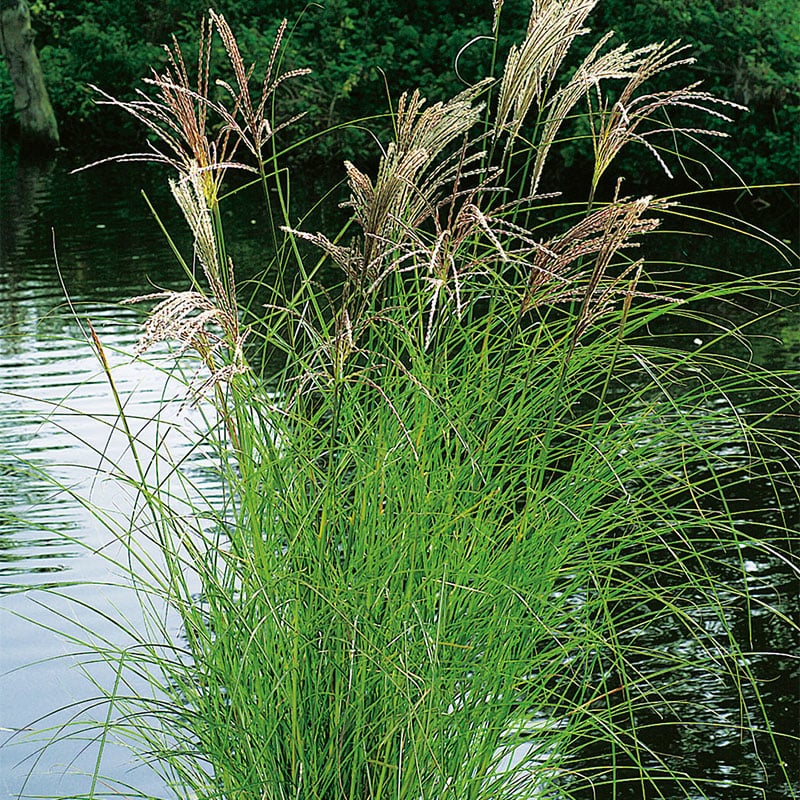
363, 51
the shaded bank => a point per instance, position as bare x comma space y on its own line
359, 48
37, 121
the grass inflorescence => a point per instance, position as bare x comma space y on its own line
472, 482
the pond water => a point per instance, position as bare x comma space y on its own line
55, 413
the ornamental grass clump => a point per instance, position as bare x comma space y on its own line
464, 482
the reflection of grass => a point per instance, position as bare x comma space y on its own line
30, 542
470, 492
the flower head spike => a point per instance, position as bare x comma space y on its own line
209, 325
196, 323
191, 128
531, 67
575, 265
635, 118
247, 120
178, 118
497, 7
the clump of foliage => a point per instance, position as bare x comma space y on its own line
360, 50
462, 482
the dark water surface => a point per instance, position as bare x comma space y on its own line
55, 415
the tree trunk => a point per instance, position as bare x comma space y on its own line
38, 127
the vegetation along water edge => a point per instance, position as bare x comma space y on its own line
469, 469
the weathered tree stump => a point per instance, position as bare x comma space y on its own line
38, 128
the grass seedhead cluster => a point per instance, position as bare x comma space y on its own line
472, 486
530, 91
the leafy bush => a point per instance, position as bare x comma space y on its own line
750, 54
93, 54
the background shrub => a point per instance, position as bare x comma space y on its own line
749, 52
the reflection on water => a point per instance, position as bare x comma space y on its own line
712, 743
57, 416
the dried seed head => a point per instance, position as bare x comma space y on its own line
193, 129
531, 67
